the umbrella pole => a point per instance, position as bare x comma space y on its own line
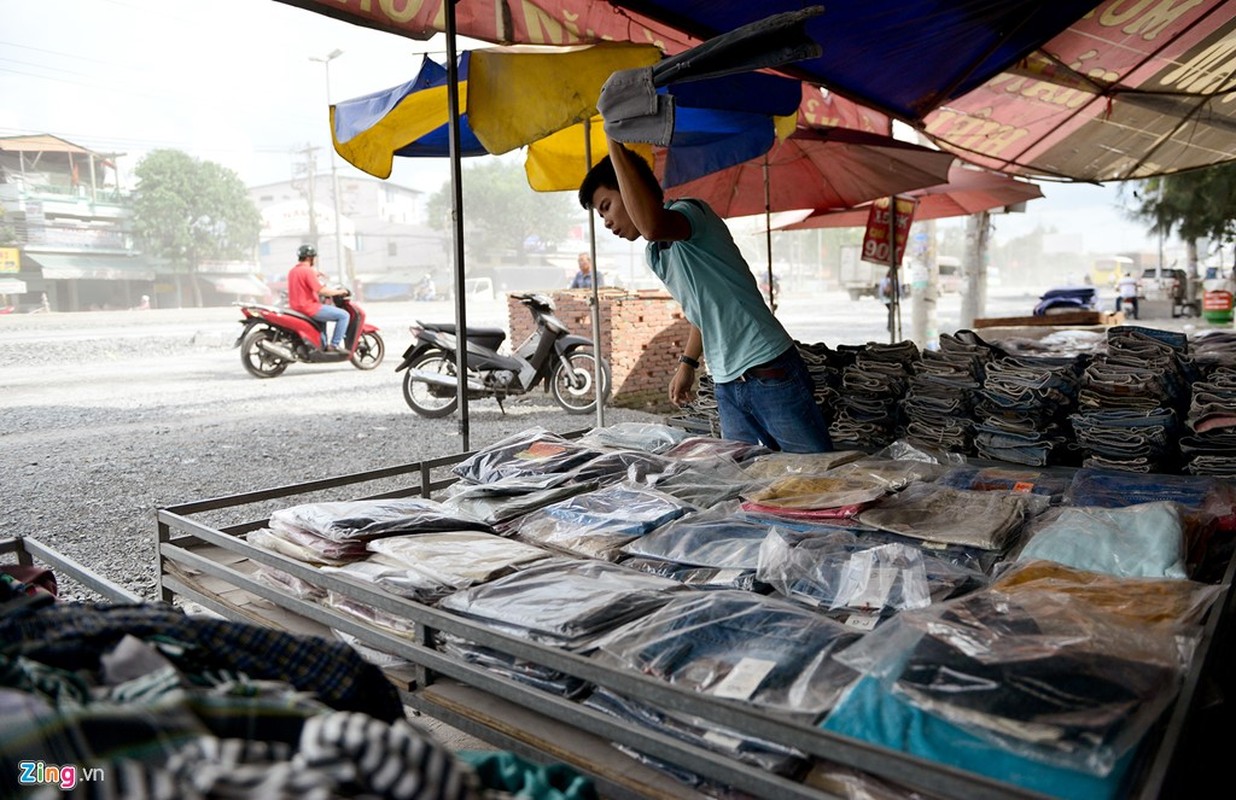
598, 374
456, 151
772, 292
894, 330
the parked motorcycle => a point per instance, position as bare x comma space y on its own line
274, 337
565, 363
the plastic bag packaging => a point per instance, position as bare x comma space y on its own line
903, 450
308, 554
376, 617
893, 475
288, 583
709, 447
501, 501
1116, 488
459, 559
780, 465
1039, 675
766, 755
697, 577
650, 437
1048, 481
703, 482
536, 456
953, 516
394, 578
379, 658
1140, 601
861, 573
616, 465
738, 646
526, 672
814, 492
720, 537
598, 523
847, 783
362, 520
1142, 541
562, 601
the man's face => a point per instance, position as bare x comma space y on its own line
609, 206
585, 263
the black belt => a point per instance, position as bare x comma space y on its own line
765, 372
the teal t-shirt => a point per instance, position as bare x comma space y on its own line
710, 279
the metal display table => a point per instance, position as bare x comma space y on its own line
213, 566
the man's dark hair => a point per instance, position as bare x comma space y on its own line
603, 175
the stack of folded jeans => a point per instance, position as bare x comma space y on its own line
1131, 399
1216, 348
868, 411
1211, 447
825, 366
1023, 409
940, 401
700, 415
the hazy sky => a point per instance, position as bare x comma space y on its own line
231, 81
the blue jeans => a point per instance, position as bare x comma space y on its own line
779, 413
335, 314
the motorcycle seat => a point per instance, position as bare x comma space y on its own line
290, 313
473, 333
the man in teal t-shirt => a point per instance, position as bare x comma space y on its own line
764, 392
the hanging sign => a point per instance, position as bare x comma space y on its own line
876, 239
10, 259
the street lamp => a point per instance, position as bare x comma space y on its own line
334, 173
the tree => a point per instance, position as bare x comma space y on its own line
1195, 204
190, 211
502, 213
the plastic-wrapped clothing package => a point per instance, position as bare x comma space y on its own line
362, 520
905, 450
284, 582
536, 456
517, 669
708, 447
740, 646
862, 572
1113, 489
1057, 692
1142, 541
455, 560
721, 537
1141, 601
894, 475
703, 482
780, 465
396, 624
598, 523
298, 545
617, 465
766, 755
953, 516
501, 501
815, 492
1008, 479
563, 601
698, 577
646, 436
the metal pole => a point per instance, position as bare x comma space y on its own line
772, 292
894, 332
598, 374
456, 153
334, 174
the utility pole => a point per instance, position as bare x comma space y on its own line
309, 190
334, 174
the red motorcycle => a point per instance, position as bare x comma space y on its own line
275, 337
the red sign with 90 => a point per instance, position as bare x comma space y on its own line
876, 239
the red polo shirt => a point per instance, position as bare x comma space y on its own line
303, 289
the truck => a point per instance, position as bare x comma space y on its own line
859, 278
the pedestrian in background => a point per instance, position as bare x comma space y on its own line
1126, 293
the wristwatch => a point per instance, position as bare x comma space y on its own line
690, 362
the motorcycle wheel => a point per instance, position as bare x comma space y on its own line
257, 361
573, 382
369, 351
426, 399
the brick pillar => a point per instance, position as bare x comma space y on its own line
642, 335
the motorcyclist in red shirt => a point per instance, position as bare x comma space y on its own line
305, 291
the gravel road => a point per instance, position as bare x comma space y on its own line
108, 416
